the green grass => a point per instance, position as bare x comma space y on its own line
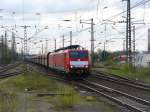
65, 103
30, 80
137, 73
69, 100
14, 86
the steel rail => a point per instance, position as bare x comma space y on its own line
123, 81
121, 93
8, 67
10, 74
123, 78
118, 101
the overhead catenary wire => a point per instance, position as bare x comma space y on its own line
144, 12
134, 6
97, 9
114, 16
82, 30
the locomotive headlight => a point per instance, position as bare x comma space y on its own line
86, 66
71, 66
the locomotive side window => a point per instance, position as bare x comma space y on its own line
78, 54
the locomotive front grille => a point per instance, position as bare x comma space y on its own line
79, 70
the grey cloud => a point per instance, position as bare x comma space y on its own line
47, 5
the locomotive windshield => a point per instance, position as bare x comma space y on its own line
78, 54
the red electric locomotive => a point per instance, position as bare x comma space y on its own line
72, 60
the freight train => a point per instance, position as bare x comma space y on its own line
73, 61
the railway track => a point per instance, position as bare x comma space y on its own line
130, 101
123, 79
5, 75
10, 70
129, 87
126, 100
8, 67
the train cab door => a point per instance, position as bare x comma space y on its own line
65, 63
67, 60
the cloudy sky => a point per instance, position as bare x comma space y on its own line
40, 13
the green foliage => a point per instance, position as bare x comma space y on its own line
95, 57
104, 56
109, 63
124, 70
101, 56
6, 55
144, 71
143, 74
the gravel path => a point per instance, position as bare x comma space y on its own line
86, 108
27, 105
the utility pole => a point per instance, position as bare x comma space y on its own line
55, 44
105, 44
92, 41
148, 40
128, 33
25, 40
22, 48
2, 49
13, 46
70, 38
46, 48
6, 47
25, 49
63, 40
124, 46
134, 44
92, 38
42, 47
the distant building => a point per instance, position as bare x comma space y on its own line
122, 59
142, 60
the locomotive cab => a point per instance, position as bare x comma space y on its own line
79, 62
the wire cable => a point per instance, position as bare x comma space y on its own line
136, 5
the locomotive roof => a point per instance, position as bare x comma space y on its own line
68, 47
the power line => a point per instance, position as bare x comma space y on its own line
136, 5
97, 9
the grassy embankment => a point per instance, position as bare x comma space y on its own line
142, 74
19, 91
